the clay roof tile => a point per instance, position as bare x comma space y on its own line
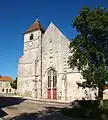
6, 78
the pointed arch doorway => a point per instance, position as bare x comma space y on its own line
52, 84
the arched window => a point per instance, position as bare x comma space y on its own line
2, 90
31, 36
54, 81
9, 90
6, 90
49, 81
52, 77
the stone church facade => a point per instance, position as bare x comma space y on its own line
43, 71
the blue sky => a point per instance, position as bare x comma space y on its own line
17, 15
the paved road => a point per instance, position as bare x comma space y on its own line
22, 109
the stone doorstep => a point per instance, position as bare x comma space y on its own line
45, 101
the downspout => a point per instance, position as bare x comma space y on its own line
41, 66
35, 82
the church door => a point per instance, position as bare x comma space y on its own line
52, 81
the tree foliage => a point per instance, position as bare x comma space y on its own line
90, 47
14, 84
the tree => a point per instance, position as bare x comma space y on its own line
14, 84
89, 49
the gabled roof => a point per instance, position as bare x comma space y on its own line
6, 78
53, 28
35, 26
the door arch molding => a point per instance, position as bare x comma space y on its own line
48, 69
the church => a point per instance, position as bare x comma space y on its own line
43, 71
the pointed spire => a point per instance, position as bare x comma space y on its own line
35, 26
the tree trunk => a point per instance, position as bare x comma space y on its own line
100, 97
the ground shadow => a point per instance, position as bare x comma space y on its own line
2, 113
8, 101
86, 109
78, 110
48, 114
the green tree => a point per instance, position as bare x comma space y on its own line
90, 48
14, 84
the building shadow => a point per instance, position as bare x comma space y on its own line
2, 113
8, 101
77, 110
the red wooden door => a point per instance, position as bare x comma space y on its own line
54, 93
49, 93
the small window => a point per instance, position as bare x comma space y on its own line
9, 90
2, 90
6, 90
31, 36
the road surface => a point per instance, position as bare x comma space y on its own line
23, 109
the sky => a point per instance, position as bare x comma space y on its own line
16, 16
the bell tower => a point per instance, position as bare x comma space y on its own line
32, 37
29, 67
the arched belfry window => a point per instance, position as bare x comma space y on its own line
52, 76
31, 36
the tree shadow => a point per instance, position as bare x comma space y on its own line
77, 110
8, 101
50, 113
86, 109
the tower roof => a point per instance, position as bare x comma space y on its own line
35, 26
